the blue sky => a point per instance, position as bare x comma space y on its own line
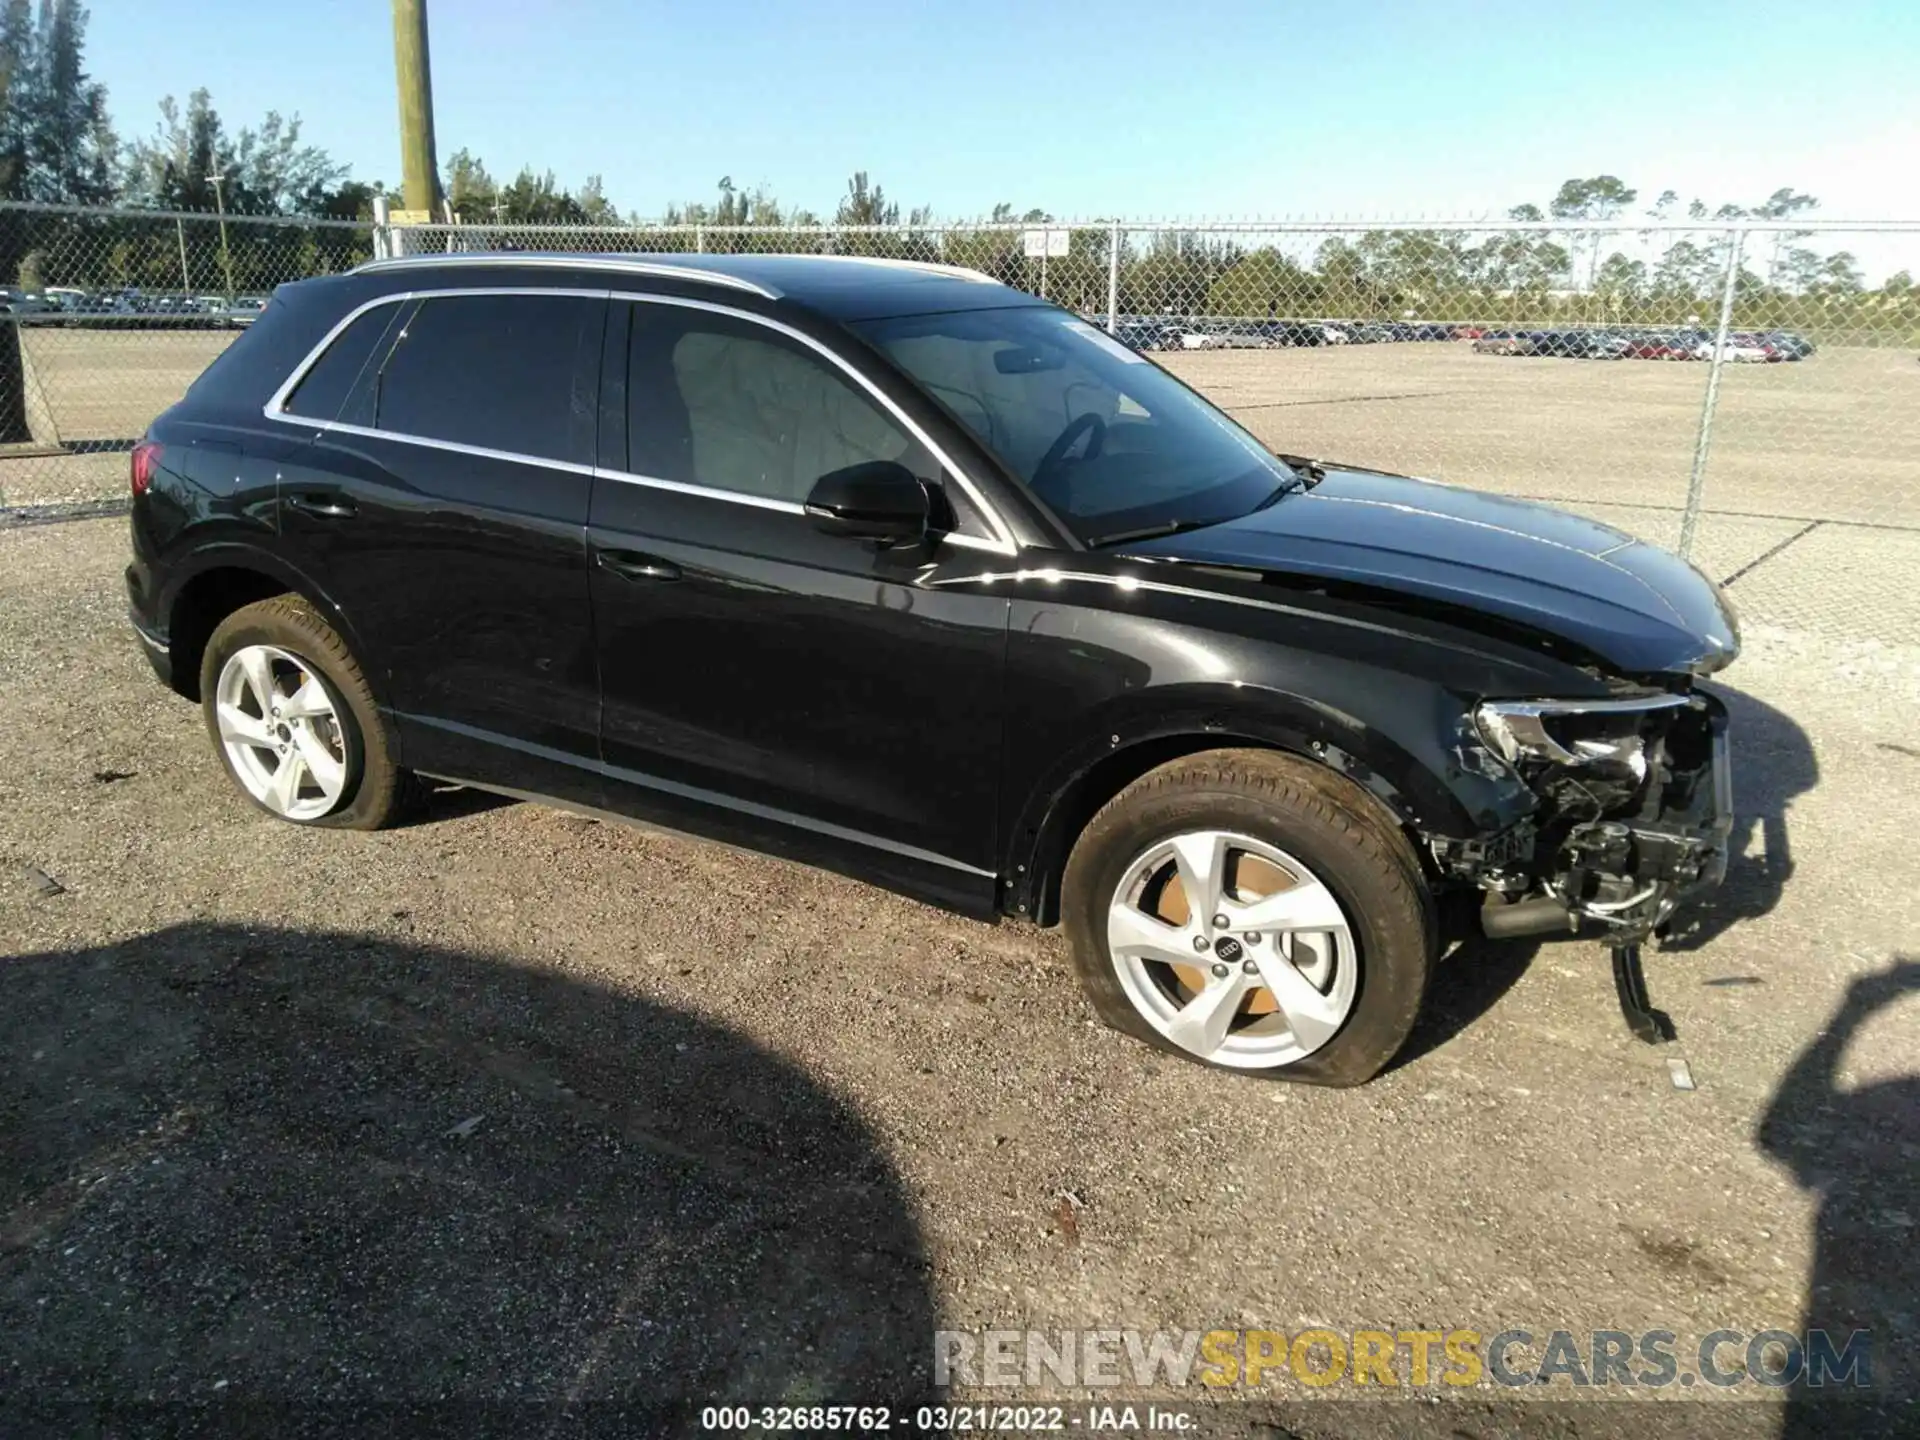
1232, 108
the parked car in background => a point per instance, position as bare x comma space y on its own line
1599, 345
1185, 337
1740, 349
1254, 335
1790, 345
1664, 345
241, 312
897, 571
1333, 333
1505, 342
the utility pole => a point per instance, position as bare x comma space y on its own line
226, 257
419, 170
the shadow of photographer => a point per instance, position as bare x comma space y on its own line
1858, 1151
294, 1166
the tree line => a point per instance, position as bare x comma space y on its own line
58, 146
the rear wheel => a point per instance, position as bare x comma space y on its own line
1249, 910
291, 715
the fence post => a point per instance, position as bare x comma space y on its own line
1113, 278
186, 276
1696, 481
382, 229
699, 239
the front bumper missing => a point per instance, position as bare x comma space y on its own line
1629, 873
1618, 874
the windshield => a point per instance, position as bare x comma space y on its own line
1113, 443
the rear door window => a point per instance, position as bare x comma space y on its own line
513, 373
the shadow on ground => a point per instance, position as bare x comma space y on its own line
1858, 1151
1773, 762
330, 1167
1467, 983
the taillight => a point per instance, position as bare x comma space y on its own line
146, 459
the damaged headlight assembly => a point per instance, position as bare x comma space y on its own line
1604, 734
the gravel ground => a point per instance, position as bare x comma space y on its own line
511, 1105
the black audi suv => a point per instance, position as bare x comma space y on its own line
891, 569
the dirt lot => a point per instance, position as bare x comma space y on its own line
515, 1106
1812, 499
1834, 437
107, 384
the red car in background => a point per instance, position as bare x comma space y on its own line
1684, 346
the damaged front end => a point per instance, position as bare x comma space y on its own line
1633, 812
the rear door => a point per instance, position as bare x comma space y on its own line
445, 503
762, 681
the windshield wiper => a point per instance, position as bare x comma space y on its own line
1306, 474
1150, 532
1311, 472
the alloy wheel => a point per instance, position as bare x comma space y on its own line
1232, 949
280, 726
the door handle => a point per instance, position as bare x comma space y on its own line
632, 565
331, 507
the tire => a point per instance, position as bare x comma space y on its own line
1265, 804
372, 790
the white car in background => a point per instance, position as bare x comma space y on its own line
1185, 337
1743, 349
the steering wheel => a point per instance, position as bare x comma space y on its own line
1088, 424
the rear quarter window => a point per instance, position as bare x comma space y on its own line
323, 392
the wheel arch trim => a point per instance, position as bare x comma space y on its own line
1121, 748
227, 554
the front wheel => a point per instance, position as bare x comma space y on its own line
1252, 911
293, 718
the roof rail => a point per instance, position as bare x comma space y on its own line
519, 258
931, 267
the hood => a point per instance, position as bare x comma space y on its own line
1638, 607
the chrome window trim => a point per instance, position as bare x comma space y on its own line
705, 492
275, 408
1000, 542
569, 467
500, 258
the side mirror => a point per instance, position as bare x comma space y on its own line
878, 500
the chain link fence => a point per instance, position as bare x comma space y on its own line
1744, 391
110, 314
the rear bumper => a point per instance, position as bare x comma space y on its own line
159, 654
153, 640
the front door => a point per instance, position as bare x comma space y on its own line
765, 682
446, 503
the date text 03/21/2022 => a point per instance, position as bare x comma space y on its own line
950, 1419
